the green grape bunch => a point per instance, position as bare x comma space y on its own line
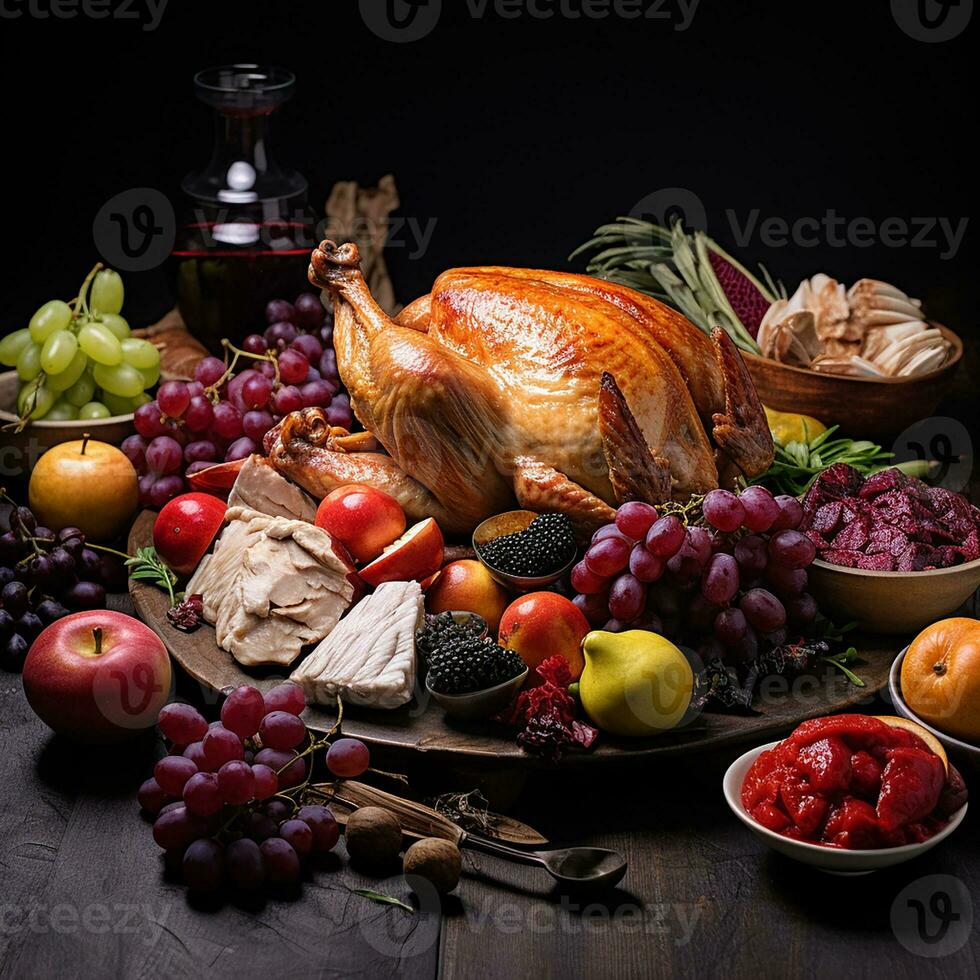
78, 360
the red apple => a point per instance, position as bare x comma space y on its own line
97, 676
362, 519
415, 556
185, 528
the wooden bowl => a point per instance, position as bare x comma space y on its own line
37, 437
891, 602
863, 407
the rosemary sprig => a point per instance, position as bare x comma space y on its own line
148, 566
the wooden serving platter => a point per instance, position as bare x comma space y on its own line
421, 725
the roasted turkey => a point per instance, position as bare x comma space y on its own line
560, 391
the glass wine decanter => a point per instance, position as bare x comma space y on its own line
247, 232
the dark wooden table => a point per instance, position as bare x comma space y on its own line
84, 893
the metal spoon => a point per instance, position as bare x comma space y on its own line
575, 867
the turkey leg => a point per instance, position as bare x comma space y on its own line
541, 488
311, 453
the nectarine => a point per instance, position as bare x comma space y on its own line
541, 624
466, 586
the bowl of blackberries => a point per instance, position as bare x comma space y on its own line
525, 551
43, 576
467, 673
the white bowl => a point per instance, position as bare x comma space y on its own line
964, 751
834, 860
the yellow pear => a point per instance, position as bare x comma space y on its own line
634, 683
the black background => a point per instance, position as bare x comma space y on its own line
517, 136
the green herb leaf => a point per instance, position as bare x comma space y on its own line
147, 566
382, 899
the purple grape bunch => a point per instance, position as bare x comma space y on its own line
730, 585
190, 426
228, 799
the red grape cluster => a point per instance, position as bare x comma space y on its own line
44, 576
220, 416
730, 586
227, 799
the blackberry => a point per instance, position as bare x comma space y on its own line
464, 664
545, 546
442, 627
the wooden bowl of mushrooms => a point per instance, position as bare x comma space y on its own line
865, 358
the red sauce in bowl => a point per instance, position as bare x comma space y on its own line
854, 782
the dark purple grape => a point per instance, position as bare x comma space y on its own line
40, 571
62, 563
243, 864
88, 565
6, 575
321, 821
15, 598
50, 610
278, 810
278, 310
11, 547
280, 860
14, 652
763, 610
24, 517
260, 826
29, 625
85, 595
730, 626
328, 364
309, 311
44, 534
70, 532
6, 624
309, 347
281, 332
203, 865
802, 609
254, 344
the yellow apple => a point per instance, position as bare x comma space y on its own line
85, 484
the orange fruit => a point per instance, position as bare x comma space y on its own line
941, 677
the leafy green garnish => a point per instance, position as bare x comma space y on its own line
797, 464
147, 566
382, 899
841, 660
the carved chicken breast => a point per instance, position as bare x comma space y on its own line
271, 586
558, 391
369, 659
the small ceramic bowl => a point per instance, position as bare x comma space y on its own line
891, 602
479, 704
511, 522
959, 750
833, 860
